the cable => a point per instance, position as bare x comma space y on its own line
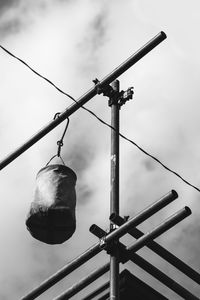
38, 74
102, 121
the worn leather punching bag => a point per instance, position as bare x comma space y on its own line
51, 218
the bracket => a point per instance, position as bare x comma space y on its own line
126, 96
111, 247
106, 90
119, 98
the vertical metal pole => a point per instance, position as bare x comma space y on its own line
114, 193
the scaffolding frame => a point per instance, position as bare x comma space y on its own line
119, 226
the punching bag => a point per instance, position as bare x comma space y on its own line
51, 218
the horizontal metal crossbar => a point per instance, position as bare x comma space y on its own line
84, 99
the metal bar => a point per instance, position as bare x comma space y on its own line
114, 275
97, 231
84, 282
145, 240
164, 200
155, 41
95, 249
129, 254
66, 270
158, 230
114, 190
162, 252
162, 277
104, 297
83, 99
114, 176
143, 215
97, 291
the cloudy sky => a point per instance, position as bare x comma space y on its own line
71, 43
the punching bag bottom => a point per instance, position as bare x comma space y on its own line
52, 226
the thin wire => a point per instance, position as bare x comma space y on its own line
102, 121
38, 74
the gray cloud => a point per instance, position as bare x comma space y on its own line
10, 27
16, 15
149, 164
5, 4
80, 158
9, 24
160, 96
93, 40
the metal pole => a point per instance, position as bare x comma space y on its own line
157, 205
162, 277
162, 252
156, 273
60, 274
95, 249
144, 241
84, 99
114, 176
161, 228
73, 290
142, 216
114, 190
97, 291
129, 254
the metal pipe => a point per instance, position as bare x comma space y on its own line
155, 41
70, 267
156, 273
161, 228
84, 282
148, 237
97, 291
142, 216
95, 249
104, 297
162, 252
152, 208
114, 190
84, 99
114, 159
162, 277
129, 254
97, 231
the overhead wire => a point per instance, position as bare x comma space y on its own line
100, 120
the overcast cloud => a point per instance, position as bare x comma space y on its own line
71, 43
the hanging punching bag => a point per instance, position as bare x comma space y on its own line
51, 218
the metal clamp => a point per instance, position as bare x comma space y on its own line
106, 90
126, 95
121, 98
109, 248
103, 243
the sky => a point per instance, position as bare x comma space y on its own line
72, 43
